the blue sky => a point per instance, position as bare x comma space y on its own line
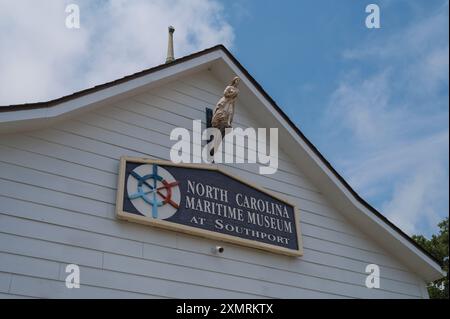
375, 102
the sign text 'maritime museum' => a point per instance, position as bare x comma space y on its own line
202, 200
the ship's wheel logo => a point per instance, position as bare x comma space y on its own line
153, 191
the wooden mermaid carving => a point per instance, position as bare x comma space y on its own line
223, 113
224, 110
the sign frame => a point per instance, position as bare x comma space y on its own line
190, 230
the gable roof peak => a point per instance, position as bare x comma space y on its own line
417, 257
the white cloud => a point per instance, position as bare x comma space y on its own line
394, 123
416, 197
364, 105
41, 59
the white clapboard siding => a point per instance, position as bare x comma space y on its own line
146, 105
102, 200
217, 265
39, 287
138, 120
33, 146
95, 226
48, 250
71, 155
12, 296
57, 206
5, 282
310, 233
11, 200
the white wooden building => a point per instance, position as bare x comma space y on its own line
59, 163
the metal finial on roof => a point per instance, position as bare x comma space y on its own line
170, 55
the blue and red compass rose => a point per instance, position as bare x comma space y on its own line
153, 188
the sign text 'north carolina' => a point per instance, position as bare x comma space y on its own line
203, 200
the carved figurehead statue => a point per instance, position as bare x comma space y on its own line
224, 110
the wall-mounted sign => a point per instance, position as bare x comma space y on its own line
205, 201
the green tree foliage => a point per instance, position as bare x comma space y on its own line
438, 247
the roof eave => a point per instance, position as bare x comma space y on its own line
12, 114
